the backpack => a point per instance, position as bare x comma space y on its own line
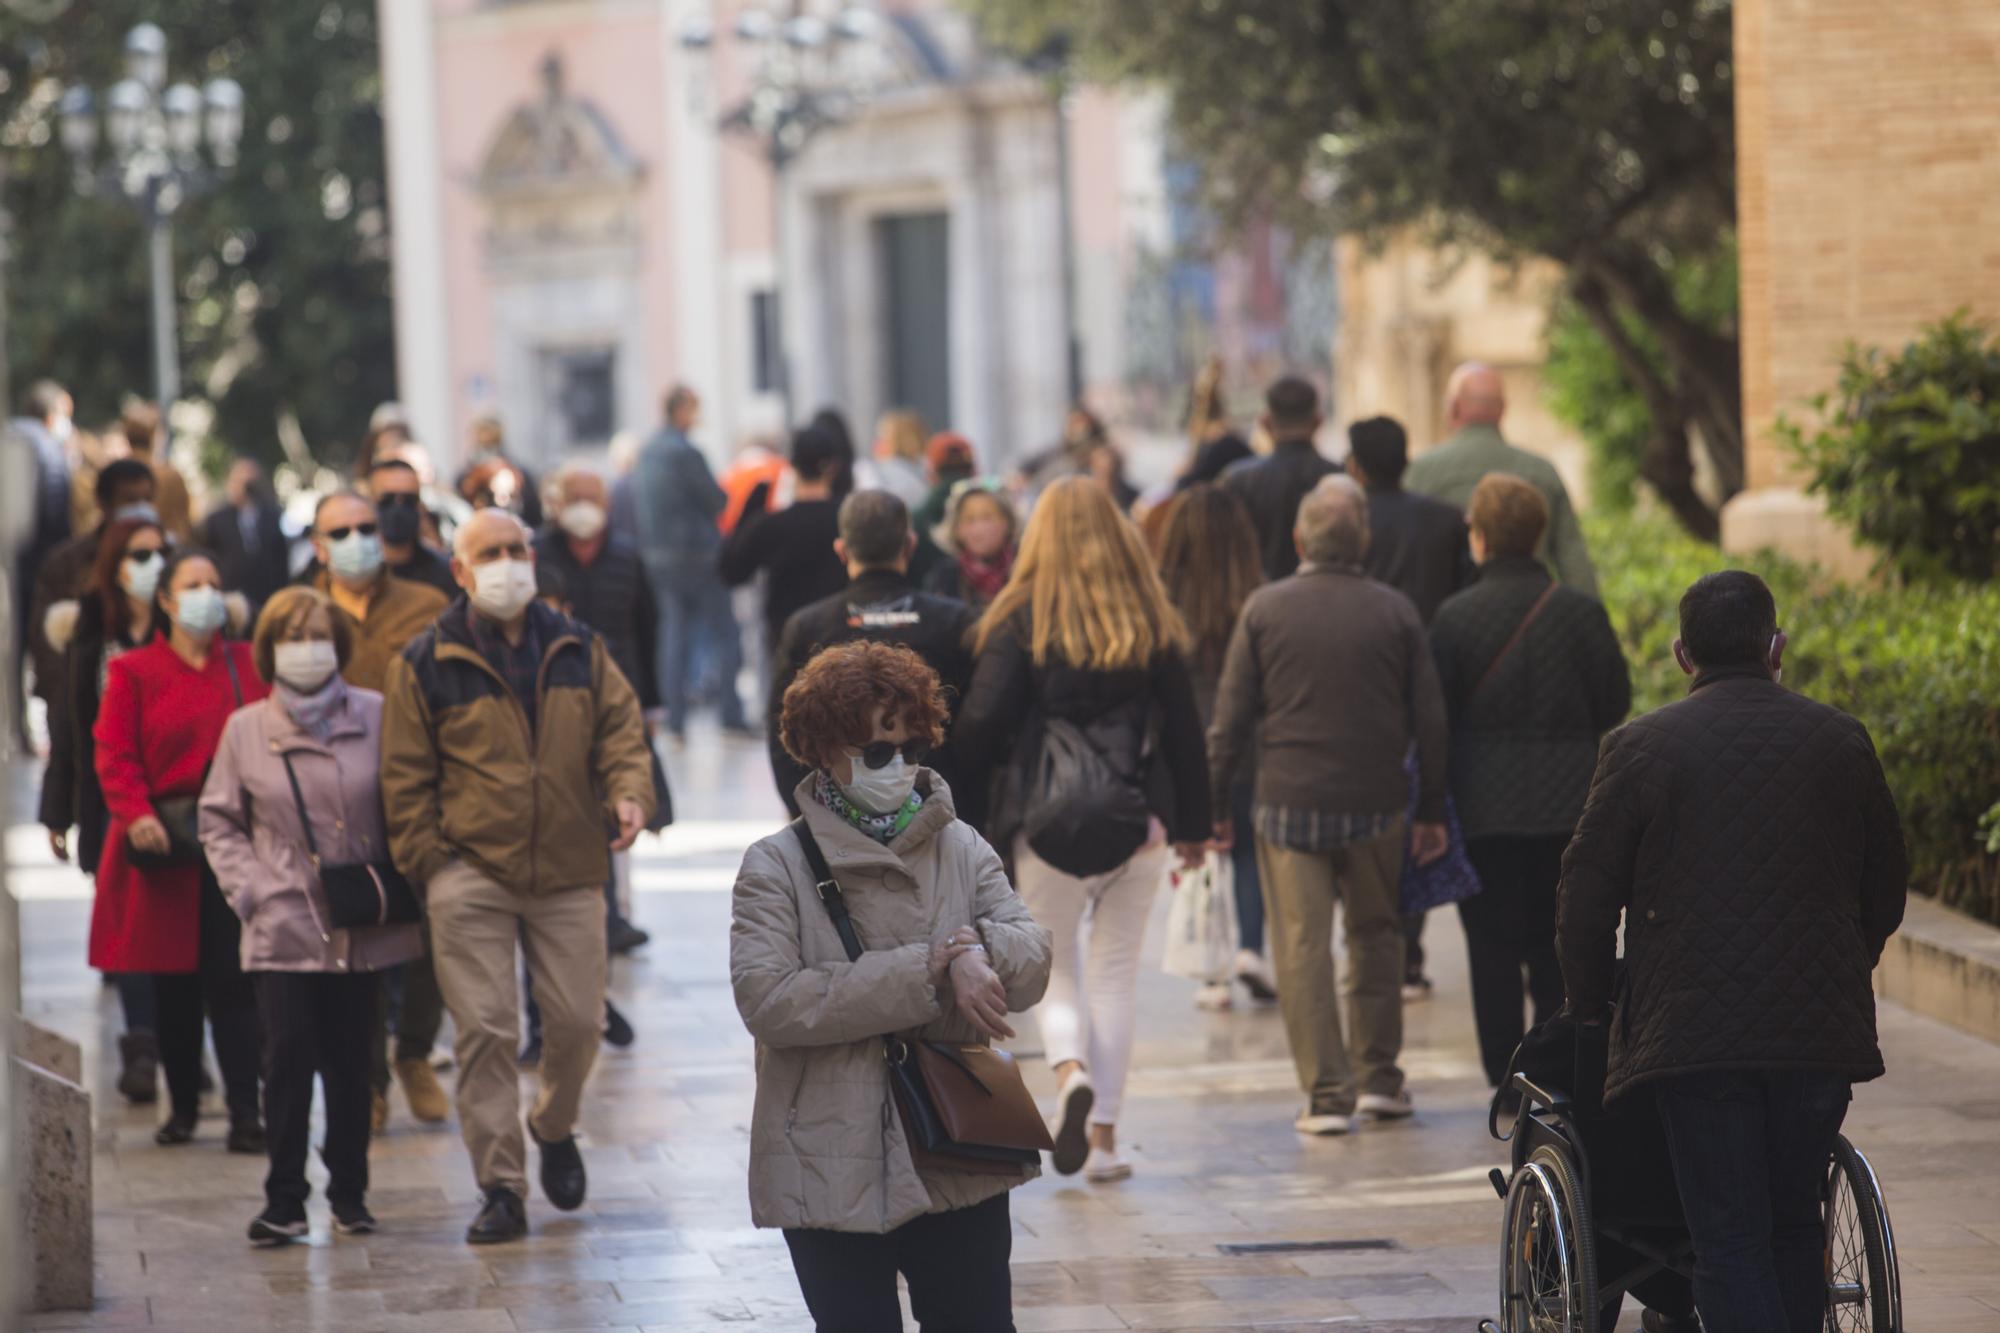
1083, 815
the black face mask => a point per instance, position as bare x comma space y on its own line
399, 523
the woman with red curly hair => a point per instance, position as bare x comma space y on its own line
949, 951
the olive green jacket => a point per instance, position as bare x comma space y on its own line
1450, 471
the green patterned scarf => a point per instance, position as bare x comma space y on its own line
882, 828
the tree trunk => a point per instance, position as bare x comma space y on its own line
1668, 462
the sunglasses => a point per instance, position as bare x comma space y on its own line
340, 534
877, 753
141, 557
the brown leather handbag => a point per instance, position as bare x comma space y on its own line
963, 1105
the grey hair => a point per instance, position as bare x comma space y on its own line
1332, 526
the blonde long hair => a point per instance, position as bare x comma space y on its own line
1083, 576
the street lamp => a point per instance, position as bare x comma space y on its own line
154, 135
803, 82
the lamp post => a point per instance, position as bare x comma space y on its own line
154, 134
805, 80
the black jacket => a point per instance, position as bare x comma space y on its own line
999, 728
1271, 488
883, 607
1749, 838
1523, 747
795, 546
257, 571
610, 595
1417, 546
71, 795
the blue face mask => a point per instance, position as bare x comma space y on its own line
356, 556
200, 611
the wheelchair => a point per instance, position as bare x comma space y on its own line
1582, 1232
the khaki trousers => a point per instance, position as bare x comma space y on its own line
1300, 889
475, 925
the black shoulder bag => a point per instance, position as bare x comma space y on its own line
963, 1107
181, 815
358, 893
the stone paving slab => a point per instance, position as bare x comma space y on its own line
665, 1242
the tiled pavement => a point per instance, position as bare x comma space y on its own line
665, 1242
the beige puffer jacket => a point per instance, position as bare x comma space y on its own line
826, 1145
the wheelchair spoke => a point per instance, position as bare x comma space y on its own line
1846, 1260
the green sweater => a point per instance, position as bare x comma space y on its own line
1451, 471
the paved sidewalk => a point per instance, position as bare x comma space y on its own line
665, 1241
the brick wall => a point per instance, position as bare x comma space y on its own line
1868, 135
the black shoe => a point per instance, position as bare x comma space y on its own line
177, 1130
531, 1054
247, 1137
275, 1226
353, 1219
501, 1218
139, 1068
625, 937
562, 1172
617, 1028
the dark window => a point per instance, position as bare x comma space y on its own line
765, 372
581, 403
914, 252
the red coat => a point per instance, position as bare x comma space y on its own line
157, 731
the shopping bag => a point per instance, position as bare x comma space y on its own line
1450, 878
1201, 921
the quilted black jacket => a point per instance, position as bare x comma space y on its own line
1749, 837
1523, 748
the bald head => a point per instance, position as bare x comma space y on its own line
490, 534
1475, 396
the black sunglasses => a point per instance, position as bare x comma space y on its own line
877, 753
143, 557
340, 534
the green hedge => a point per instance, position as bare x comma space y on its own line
1920, 666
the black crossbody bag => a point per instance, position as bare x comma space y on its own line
181, 815
358, 893
939, 1086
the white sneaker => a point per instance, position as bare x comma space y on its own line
1106, 1167
1375, 1106
1214, 997
1322, 1125
1254, 971
1071, 1130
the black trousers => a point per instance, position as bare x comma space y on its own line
414, 1022
1510, 926
955, 1263
218, 986
316, 1023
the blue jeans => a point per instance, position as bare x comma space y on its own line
693, 606
1243, 862
1750, 1151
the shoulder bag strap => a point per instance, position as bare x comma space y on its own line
229, 660
1520, 631
305, 821
828, 889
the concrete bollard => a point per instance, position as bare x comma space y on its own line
52, 1146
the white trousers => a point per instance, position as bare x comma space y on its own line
1090, 1010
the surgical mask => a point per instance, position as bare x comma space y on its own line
398, 520
502, 589
139, 575
62, 428
200, 611
358, 555
583, 520
305, 666
880, 791
138, 509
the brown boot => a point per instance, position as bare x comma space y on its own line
378, 1112
421, 1088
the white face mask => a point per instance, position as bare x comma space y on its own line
62, 428
880, 791
502, 589
583, 520
304, 667
141, 578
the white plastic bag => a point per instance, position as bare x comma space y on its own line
1201, 921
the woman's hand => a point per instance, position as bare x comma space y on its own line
148, 834
1192, 854
946, 950
59, 844
981, 996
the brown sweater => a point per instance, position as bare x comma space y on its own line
398, 612
1332, 675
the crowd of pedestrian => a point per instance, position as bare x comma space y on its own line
335, 785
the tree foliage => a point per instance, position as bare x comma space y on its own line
1598, 133
282, 273
1909, 451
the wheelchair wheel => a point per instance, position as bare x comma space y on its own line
1864, 1286
1548, 1255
